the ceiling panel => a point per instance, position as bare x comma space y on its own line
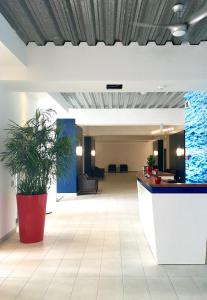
124, 100
92, 21
128, 131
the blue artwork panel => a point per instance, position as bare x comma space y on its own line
69, 184
196, 137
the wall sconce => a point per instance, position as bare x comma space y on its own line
180, 151
93, 153
155, 153
79, 150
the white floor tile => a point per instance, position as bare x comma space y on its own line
135, 288
90, 267
132, 267
110, 288
60, 289
186, 270
85, 288
161, 289
34, 289
68, 268
111, 267
186, 288
10, 288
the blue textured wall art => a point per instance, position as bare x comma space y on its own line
196, 137
69, 184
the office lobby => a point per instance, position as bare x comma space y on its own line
127, 80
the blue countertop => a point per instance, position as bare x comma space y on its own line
171, 188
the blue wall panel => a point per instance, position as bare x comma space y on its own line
196, 137
69, 184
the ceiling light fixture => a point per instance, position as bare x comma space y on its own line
179, 31
178, 8
161, 87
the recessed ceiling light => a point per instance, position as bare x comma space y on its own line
179, 31
160, 87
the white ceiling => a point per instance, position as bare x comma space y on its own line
124, 138
126, 133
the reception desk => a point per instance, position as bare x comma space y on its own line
174, 220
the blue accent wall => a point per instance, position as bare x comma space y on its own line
196, 137
69, 184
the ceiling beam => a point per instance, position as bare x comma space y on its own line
92, 117
84, 68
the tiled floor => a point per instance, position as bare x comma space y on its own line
94, 248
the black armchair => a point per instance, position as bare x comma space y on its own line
87, 185
123, 168
98, 172
112, 168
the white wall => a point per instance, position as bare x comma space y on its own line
133, 154
17, 107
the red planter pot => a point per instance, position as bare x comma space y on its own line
149, 170
31, 215
157, 180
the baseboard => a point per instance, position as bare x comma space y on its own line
8, 235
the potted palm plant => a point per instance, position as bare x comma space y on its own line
36, 153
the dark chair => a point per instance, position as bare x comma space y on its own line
112, 168
87, 185
98, 172
123, 168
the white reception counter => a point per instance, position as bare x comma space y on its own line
174, 220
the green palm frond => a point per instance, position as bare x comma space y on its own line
36, 152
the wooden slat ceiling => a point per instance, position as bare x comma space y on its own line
93, 21
124, 100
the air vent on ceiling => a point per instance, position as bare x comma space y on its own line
114, 86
